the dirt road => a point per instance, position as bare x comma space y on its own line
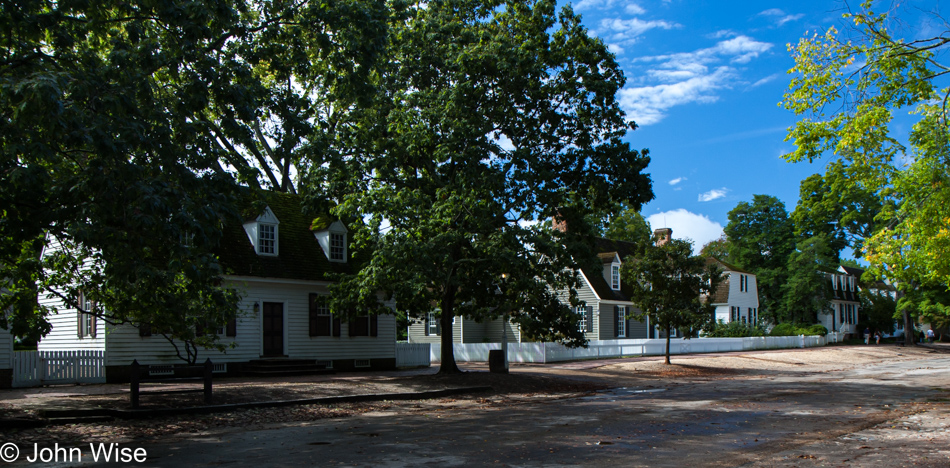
853, 406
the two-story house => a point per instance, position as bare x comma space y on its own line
842, 316
737, 298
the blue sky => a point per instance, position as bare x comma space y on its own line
704, 80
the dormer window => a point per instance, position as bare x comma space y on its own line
337, 246
615, 277
332, 240
267, 239
264, 233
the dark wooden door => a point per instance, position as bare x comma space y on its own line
273, 329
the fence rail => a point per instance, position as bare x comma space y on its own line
32, 368
554, 352
412, 355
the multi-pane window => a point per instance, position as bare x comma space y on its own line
87, 321
337, 246
432, 324
267, 239
621, 321
322, 323
582, 323
615, 277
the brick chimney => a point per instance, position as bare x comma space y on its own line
662, 236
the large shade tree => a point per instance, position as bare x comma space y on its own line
491, 116
761, 239
848, 89
116, 153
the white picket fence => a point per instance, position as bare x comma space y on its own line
554, 352
412, 355
33, 368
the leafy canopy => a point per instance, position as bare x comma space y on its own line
490, 117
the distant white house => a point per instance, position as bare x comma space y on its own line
281, 267
737, 298
842, 316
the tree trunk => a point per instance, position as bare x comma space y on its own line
448, 365
909, 336
667, 345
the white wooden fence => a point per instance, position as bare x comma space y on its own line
412, 355
32, 368
554, 352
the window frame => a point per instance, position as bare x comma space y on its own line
621, 324
337, 252
263, 241
615, 277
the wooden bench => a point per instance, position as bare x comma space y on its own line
137, 378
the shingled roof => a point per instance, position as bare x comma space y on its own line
299, 254
721, 295
605, 249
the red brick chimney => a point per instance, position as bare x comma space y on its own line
662, 236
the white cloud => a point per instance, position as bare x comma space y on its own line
688, 77
780, 17
677, 180
625, 32
634, 9
686, 225
713, 194
765, 80
615, 49
630, 7
648, 105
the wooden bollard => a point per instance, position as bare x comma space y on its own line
209, 369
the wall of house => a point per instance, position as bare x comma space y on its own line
493, 331
832, 319
417, 332
586, 294
472, 331
606, 327
64, 335
742, 299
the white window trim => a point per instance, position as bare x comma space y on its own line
433, 325
621, 321
615, 276
342, 237
582, 323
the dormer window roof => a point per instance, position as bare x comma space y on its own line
333, 241
263, 232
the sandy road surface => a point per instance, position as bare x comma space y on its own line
851, 406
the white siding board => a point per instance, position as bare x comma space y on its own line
6, 349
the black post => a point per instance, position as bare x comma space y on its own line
134, 383
209, 368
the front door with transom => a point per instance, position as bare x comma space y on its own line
273, 329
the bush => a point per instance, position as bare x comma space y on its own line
789, 329
733, 330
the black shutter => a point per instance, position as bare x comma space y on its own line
616, 321
312, 315
425, 323
231, 329
92, 326
374, 325
336, 325
438, 325
590, 318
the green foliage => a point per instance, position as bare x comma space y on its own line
666, 283
718, 249
761, 239
878, 309
788, 329
630, 226
733, 330
806, 291
444, 205
847, 91
128, 126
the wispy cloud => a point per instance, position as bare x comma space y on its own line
688, 77
630, 7
626, 31
765, 80
780, 17
687, 225
677, 180
713, 194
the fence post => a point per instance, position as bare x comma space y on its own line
209, 368
134, 384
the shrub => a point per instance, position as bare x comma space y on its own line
733, 330
789, 329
